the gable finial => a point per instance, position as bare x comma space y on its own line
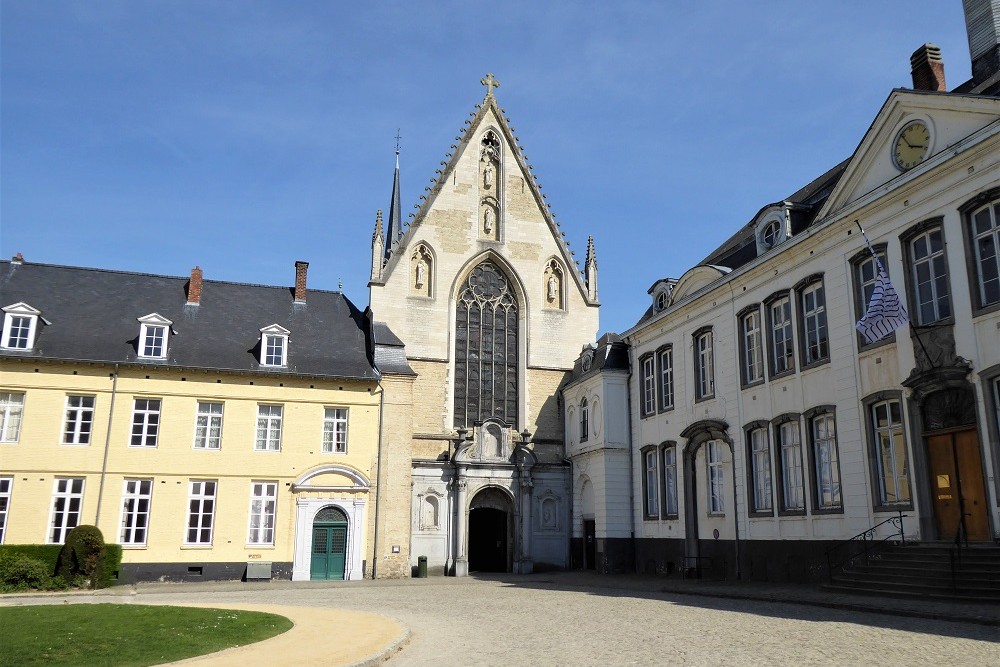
490, 82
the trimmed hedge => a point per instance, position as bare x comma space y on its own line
112, 564
49, 555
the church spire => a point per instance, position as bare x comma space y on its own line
393, 229
378, 247
590, 270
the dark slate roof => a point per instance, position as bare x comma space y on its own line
91, 315
390, 353
610, 353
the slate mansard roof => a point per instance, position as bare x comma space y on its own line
90, 315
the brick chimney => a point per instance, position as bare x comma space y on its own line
194, 287
982, 23
17, 259
300, 281
928, 68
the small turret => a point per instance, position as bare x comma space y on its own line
590, 270
378, 247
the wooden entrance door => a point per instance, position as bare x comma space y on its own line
957, 485
329, 551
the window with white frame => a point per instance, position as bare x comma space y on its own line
666, 361
274, 346
208, 426
650, 483
670, 481
6, 486
815, 341
865, 276
704, 364
335, 430
890, 453
648, 385
929, 277
136, 497
792, 489
584, 419
67, 504
984, 234
145, 422
201, 511
716, 477
780, 338
11, 409
823, 431
154, 333
79, 420
20, 323
263, 503
760, 462
753, 358
268, 428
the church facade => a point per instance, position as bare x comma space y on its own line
482, 309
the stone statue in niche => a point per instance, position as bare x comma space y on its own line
552, 285
553, 289
488, 174
421, 271
421, 274
488, 220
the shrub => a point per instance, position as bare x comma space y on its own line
112, 564
83, 554
21, 572
47, 553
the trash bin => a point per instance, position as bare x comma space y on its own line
422, 567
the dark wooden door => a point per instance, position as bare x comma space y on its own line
957, 485
589, 544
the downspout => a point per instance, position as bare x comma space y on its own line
631, 460
107, 446
739, 410
378, 473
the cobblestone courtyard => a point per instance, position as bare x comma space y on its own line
551, 621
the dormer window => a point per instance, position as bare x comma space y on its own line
274, 346
154, 333
661, 301
20, 322
769, 235
773, 228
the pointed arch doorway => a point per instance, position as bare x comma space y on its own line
491, 523
329, 545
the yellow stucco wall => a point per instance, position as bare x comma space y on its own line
38, 457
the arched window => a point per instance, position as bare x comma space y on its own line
584, 419
486, 343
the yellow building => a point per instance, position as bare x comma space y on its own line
205, 426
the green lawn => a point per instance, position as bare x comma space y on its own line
125, 634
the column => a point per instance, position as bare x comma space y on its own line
461, 524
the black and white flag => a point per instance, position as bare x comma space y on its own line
885, 311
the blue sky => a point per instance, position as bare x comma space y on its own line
241, 136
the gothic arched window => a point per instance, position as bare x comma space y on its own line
486, 348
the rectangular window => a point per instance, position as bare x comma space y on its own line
716, 478
201, 512
79, 420
753, 359
760, 460
792, 495
652, 510
145, 422
274, 350
985, 233
6, 484
816, 343
335, 430
263, 501
136, 497
670, 481
704, 365
11, 408
929, 278
648, 386
268, 428
782, 344
890, 453
20, 332
67, 503
584, 420
824, 435
667, 378
208, 426
153, 341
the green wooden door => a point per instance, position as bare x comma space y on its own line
329, 545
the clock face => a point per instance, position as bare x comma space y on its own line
913, 145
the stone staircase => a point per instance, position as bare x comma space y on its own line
925, 570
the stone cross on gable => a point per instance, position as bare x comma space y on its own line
490, 82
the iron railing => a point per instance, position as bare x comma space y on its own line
866, 544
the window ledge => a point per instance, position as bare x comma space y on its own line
815, 364
791, 513
708, 397
751, 385
985, 310
261, 547
761, 514
661, 411
783, 374
197, 547
903, 507
134, 547
821, 511
865, 347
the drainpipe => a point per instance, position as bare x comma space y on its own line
739, 410
631, 461
378, 473
107, 446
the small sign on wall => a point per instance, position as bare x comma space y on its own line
395, 548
